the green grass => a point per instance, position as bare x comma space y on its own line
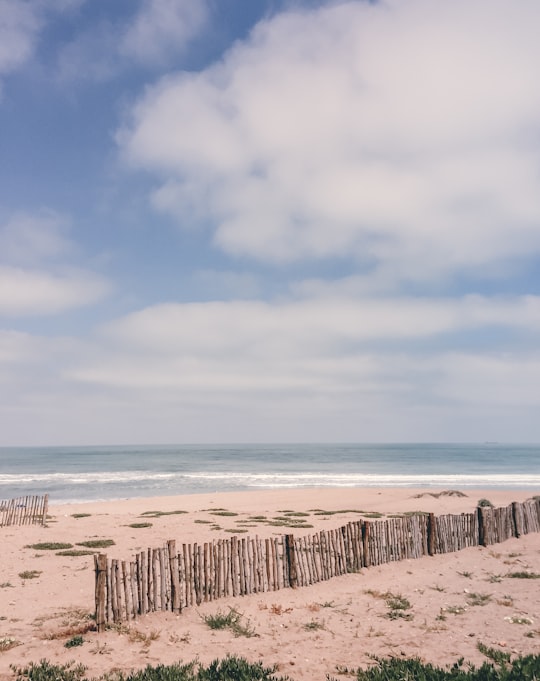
157, 514
223, 513
29, 574
96, 543
74, 642
75, 552
523, 574
485, 503
81, 515
7, 642
499, 667
140, 525
50, 546
232, 620
478, 598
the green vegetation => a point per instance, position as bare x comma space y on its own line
478, 599
224, 513
485, 503
75, 552
96, 543
81, 515
500, 667
140, 525
523, 574
29, 574
50, 546
74, 641
157, 514
7, 642
231, 620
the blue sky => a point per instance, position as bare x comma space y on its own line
257, 221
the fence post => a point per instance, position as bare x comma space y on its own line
100, 563
431, 534
290, 557
482, 539
365, 543
45, 509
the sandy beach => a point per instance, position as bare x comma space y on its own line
456, 601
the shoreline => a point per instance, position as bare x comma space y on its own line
305, 631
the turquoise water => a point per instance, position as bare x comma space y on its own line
100, 473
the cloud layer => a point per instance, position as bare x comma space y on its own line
404, 134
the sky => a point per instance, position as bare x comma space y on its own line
269, 221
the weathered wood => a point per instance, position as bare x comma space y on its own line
290, 558
431, 535
127, 590
100, 564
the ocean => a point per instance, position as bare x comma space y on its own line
75, 474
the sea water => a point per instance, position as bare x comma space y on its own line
72, 474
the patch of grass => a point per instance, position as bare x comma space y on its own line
81, 515
466, 573
373, 514
203, 522
157, 514
321, 511
521, 668
235, 530
484, 503
45, 671
497, 656
523, 574
296, 514
494, 579
478, 599
397, 604
455, 609
6, 585
443, 493
7, 643
75, 552
29, 574
519, 619
231, 620
314, 625
50, 546
224, 513
139, 525
74, 642
437, 587
96, 543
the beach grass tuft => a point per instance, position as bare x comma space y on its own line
29, 574
232, 620
96, 543
50, 546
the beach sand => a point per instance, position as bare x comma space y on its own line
457, 600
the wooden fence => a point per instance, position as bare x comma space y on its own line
24, 511
176, 577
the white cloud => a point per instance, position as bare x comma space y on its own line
252, 345
26, 292
29, 238
19, 28
402, 133
163, 27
